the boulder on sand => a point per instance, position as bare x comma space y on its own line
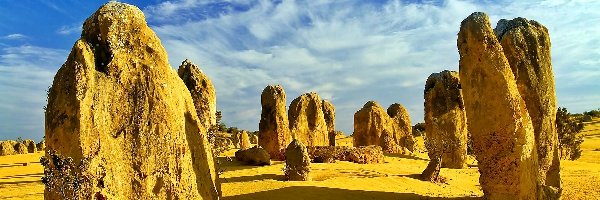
253, 156
297, 162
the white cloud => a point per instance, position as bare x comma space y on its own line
70, 29
14, 36
25, 74
353, 52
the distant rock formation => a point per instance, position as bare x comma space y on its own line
244, 140
20, 148
361, 155
41, 146
274, 134
253, 156
371, 121
307, 121
526, 45
297, 162
202, 91
7, 148
445, 120
402, 126
254, 139
502, 131
128, 122
329, 114
30, 144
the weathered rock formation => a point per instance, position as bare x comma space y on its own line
329, 114
41, 146
274, 134
361, 155
244, 140
526, 45
30, 144
20, 148
253, 156
369, 123
124, 117
297, 162
236, 139
202, 91
503, 137
402, 126
307, 121
254, 139
7, 148
445, 120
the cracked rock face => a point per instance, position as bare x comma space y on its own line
274, 134
329, 114
445, 120
498, 120
117, 104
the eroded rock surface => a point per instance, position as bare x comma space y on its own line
502, 132
274, 134
253, 156
526, 45
125, 118
329, 114
297, 162
307, 121
402, 126
369, 123
445, 120
202, 91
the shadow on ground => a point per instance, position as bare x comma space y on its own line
259, 177
312, 192
397, 155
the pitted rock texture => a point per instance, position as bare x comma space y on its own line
117, 104
274, 133
445, 120
297, 162
369, 123
329, 114
307, 121
526, 45
7, 148
499, 123
202, 91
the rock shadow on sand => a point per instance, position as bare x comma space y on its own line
323, 193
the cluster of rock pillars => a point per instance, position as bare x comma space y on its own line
141, 127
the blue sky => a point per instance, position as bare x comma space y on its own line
349, 52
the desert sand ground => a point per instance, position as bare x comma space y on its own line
397, 178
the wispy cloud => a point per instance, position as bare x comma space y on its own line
14, 36
353, 52
70, 29
25, 74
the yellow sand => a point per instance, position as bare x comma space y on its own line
397, 178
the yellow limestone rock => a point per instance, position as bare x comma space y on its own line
202, 91
526, 45
274, 134
307, 121
118, 109
445, 119
502, 131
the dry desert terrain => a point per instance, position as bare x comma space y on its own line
397, 178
